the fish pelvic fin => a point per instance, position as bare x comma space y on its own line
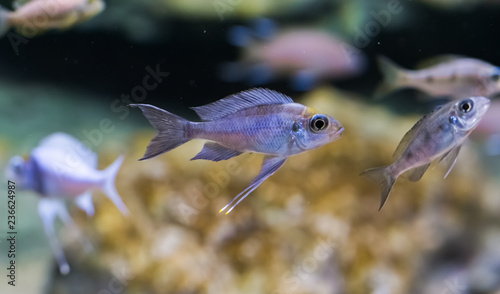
49, 209
109, 185
171, 130
270, 165
392, 76
384, 178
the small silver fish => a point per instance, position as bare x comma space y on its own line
62, 168
36, 16
439, 134
257, 120
447, 76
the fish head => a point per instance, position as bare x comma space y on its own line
466, 114
316, 130
16, 171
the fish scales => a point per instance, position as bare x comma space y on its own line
263, 129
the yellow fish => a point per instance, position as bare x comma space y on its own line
31, 18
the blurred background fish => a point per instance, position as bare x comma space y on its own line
62, 168
31, 18
306, 56
443, 76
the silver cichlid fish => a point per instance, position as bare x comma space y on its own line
438, 135
61, 168
257, 120
446, 76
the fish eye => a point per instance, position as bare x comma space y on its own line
466, 106
318, 123
495, 77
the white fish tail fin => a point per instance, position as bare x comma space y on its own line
384, 178
170, 127
392, 74
4, 21
109, 185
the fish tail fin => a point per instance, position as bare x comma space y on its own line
392, 74
109, 185
4, 21
170, 127
384, 178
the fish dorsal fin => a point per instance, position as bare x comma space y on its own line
433, 61
417, 173
76, 149
407, 138
239, 101
450, 158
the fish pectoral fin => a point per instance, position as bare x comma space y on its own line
84, 201
450, 158
216, 152
408, 136
269, 167
417, 173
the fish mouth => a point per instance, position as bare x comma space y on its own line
337, 133
485, 105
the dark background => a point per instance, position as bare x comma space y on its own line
110, 64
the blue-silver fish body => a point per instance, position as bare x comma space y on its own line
276, 129
257, 120
62, 168
438, 135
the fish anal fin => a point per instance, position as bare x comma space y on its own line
417, 173
240, 101
215, 152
